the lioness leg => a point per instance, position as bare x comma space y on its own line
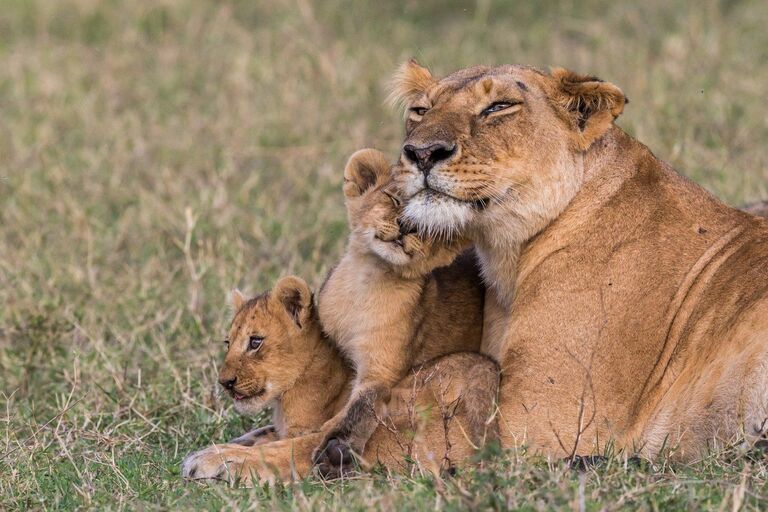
469, 382
439, 415
462, 386
478, 403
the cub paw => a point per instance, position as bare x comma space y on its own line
208, 464
413, 245
387, 231
334, 458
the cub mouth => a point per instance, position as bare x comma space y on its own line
240, 396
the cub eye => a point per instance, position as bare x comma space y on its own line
226, 342
419, 111
498, 106
254, 342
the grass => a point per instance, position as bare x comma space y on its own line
153, 154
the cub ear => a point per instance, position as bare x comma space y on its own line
409, 83
365, 169
236, 298
295, 297
590, 102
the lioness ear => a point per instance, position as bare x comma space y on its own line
590, 102
410, 81
236, 298
294, 295
365, 168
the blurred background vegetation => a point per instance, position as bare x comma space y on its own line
154, 154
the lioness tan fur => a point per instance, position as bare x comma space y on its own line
302, 376
629, 305
386, 308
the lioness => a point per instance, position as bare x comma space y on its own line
628, 305
278, 356
386, 308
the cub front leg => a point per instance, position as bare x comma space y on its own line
345, 435
283, 460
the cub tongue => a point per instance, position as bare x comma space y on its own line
237, 396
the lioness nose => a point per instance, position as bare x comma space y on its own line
425, 157
228, 382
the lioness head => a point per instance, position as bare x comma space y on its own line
490, 140
269, 344
373, 208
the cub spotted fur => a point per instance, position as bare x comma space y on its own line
387, 308
278, 356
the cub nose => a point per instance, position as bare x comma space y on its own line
228, 382
425, 157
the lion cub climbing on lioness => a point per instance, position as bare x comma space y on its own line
387, 307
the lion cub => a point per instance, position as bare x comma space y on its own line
386, 306
278, 356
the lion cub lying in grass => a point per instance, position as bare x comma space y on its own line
278, 356
386, 306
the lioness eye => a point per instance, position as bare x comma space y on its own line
254, 342
419, 111
498, 106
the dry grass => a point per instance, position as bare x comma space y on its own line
155, 153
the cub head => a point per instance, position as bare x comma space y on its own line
373, 208
269, 344
488, 140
